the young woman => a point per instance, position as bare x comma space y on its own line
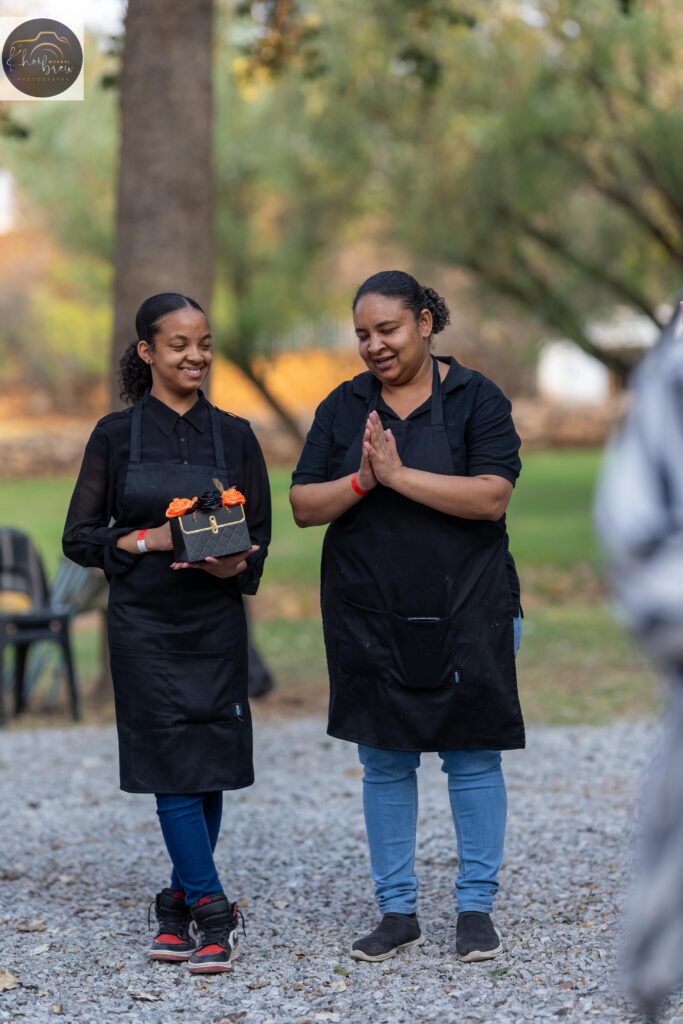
413, 463
177, 631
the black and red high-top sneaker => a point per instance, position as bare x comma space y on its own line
172, 940
217, 921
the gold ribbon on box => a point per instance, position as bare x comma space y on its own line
214, 525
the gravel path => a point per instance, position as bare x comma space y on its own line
80, 861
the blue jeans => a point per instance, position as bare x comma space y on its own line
478, 799
190, 824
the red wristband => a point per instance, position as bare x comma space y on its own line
357, 487
142, 534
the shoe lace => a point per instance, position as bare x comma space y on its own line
218, 934
165, 922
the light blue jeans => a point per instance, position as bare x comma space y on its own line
478, 798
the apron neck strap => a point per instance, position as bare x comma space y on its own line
136, 436
218, 449
374, 399
136, 433
437, 396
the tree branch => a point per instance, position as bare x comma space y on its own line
620, 196
245, 364
597, 271
639, 155
540, 299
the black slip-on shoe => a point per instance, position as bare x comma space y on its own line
217, 922
394, 932
476, 937
173, 941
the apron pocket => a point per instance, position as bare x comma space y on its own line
363, 641
205, 688
173, 690
424, 652
140, 691
411, 652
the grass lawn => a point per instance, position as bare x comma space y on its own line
576, 663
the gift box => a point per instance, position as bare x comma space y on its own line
213, 524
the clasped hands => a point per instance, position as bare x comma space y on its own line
380, 461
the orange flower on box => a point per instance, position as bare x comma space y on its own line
232, 497
179, 506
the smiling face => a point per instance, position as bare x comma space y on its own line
392, 343
179, 353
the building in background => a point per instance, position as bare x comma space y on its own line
567, 374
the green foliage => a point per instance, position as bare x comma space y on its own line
546, 162
10, 128
549, 518
66, 165
63, 164
68, 338
534, 146
288, 168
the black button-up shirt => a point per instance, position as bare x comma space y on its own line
89, 534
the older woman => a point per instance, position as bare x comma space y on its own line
412, 464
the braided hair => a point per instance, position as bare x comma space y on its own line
414, 296
135, 375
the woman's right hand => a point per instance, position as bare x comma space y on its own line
159, 538
365, 475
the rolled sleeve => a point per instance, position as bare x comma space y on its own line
492, 441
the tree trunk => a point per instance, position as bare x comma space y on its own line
286, 418
164, 202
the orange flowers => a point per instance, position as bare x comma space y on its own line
233, 497
179, 506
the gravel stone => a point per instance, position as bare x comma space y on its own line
84, 860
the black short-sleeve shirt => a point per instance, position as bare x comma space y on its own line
477, 416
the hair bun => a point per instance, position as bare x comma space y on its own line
441, 316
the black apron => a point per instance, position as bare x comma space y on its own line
178, 647
418, 613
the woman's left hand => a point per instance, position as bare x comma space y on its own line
382, 451
224, 568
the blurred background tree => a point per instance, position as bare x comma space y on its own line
531, 147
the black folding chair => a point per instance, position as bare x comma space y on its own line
22, 574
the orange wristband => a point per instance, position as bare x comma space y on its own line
357, 487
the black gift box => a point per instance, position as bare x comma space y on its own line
223, 531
